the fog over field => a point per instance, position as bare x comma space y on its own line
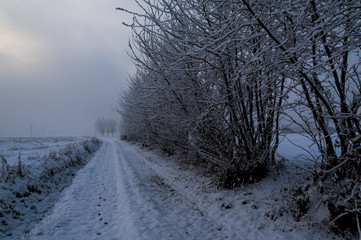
62, 65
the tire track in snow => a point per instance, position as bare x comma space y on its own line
148, 214
74, 210
117, 196
92, 207
168, 215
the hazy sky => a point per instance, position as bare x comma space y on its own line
62, 64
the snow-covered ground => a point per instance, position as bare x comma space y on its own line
28, 148
29, 187
126, 192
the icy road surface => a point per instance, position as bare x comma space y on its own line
125, 193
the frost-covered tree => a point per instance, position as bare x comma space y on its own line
100, 126
112, 126
215, 76
204, 85
108, 126
320, 42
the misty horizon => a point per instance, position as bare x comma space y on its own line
63, 65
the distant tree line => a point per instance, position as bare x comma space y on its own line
106, 126
214, 78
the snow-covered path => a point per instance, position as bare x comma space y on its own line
117, 197
93, 205
123, 194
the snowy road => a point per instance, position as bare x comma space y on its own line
123, 193
116, 196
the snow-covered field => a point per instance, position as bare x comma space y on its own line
126, 192
28, 147
33, 172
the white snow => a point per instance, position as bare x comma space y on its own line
126, 192
31, 148
26, 194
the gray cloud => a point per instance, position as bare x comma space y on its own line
62, 64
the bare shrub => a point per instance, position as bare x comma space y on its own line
4, 174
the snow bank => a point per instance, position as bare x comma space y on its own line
30, 147
264, 210
28, 188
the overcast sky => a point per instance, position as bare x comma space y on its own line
63, 64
